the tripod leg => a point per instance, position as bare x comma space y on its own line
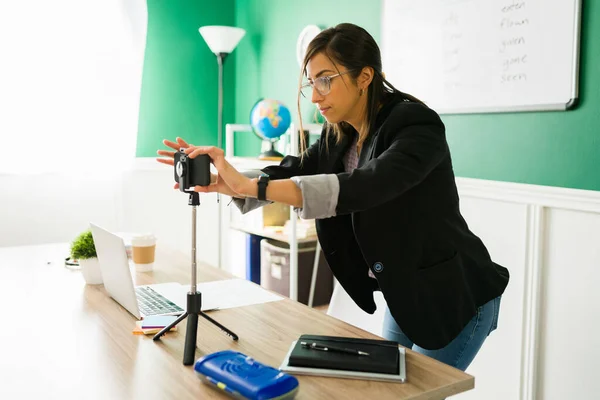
189, 351
166, 328
224, 329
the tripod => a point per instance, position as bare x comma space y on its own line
194, 301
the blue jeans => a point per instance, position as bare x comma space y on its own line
461, 351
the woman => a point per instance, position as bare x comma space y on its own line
380, 184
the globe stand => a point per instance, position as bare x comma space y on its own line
271, 154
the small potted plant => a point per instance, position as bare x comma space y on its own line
84, 251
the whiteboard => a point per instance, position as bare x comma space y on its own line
469, 56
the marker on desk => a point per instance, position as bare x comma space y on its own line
322, 347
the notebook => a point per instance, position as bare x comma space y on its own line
386, 360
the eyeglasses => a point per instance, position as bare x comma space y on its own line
322, 85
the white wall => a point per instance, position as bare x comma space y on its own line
52, 207
569, 340
149, 203
546, 346
503, 228
48, 208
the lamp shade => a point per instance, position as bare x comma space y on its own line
221, 39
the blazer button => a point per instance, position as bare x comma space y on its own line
378, 267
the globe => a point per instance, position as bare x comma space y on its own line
269, 120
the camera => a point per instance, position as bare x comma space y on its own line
191, 171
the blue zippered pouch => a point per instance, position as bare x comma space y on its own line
241, 376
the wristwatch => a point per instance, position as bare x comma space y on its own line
263, 181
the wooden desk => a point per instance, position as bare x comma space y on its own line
63, 339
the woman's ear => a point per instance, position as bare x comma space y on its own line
365, 78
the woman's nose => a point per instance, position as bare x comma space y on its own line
316, 96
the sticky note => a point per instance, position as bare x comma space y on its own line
157, 321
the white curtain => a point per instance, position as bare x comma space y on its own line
70, 81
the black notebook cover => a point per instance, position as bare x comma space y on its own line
382, 358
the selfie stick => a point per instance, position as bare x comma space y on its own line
194, 300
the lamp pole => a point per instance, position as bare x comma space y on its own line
221, 40
220, 61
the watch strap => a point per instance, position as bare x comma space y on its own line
263, 182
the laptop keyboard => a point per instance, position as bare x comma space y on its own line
152, 303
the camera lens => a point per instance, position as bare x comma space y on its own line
179, 169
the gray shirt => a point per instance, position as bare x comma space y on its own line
319, 192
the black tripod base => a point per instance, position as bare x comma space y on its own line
194, 305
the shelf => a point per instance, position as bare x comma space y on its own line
250, 162
272, 235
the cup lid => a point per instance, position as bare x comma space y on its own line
141, 239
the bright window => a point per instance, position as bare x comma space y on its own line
70, 80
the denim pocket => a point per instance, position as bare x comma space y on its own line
494, 325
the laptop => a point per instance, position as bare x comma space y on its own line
158, 299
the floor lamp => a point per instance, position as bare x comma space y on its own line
221, 40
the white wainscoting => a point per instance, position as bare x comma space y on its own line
503, 228
546, 346
569, 339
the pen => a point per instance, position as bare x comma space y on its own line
322, 347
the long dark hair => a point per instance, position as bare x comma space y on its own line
354, 48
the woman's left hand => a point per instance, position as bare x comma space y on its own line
240, 184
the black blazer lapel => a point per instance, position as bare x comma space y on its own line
367, 150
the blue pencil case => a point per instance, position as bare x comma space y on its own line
243, 377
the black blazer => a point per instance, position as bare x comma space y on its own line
398, 215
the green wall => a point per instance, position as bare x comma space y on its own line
180, 79
543, 148
179, 91
266, 58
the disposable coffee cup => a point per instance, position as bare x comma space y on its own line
143, 250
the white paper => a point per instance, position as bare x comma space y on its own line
230, 293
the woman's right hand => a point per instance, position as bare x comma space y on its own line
219, 184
